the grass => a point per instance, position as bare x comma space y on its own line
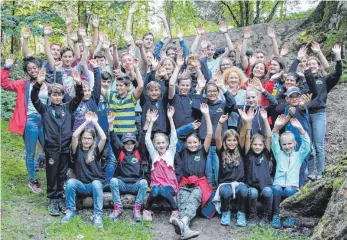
24, 214
269, 233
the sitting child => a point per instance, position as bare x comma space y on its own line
86, 155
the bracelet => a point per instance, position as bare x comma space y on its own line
250, 129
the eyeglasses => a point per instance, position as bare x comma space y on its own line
294, 96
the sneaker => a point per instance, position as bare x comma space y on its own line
34, 185
189, 233
53, 207
137, 213
241, 219
226, 218
68, 216
252, 220
264, 220
62, 205
276, 221
117, 212
97, 221
289, 222
147, 215
174, 214
311, 177
319, 176
178, 225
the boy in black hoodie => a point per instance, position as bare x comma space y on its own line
57, 125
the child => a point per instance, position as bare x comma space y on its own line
86, 155
257, 150
231, 172
286, 181
163, 177
129, 172
57, 121
194, 188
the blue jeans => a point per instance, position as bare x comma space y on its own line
318, 128
112, 162
212, 167
302, 174
117, 186
74, 185
33, 132
278, 193
167, 192
226, 194
267, 196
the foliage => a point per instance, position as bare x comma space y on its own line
269, 233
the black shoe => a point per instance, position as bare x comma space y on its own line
53, 207
62, 205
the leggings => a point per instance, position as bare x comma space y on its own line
166, 192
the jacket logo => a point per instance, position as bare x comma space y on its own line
190, 102
134, 160
197, 158
62, 113
51, 161
319, 82
219, 110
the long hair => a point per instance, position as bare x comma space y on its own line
282, 64
163, 135
229, 156
265, 70
259, 136
321, 72
92, 132
161, 63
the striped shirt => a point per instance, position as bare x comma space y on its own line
124, 109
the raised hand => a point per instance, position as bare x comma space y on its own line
291, 111
110, 117
250, 114
101, 36
201, 82
196, 124
253, 59
263, 113
76, 76
200, 30
94, 63
179, 61
255, 82
284, 50
237, 46
138, 43
243, 115
82, 31
165, 34
94, 118
132, 8
68, 18
280, 121
337, 51
220, 82
216, 75
128, 39
247, 33
153, 115
89, 116
295, 123
304, 100
223, 27
73, 36
42, 76
154, 63
170, 112
106, 43
180, 33
162, 54
136, 63
204, 42
277, 75
315, 47
9, 61
302, 53
132, 50
94, 21
26, 32
117, 73
179, 51
47, 29
204, 109
223, 118
114, 43
87, 42
271, 32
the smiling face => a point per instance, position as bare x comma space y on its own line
56, 98
67, 58
87, 92
171, 53
55, 51
293, 99
259, 70
129, 146
148, 41
101, 62
252, 98
290, 82
232, 56
225, 64
193, 143
167, 64
212, 92
184, 86
234, 82
32, 70
274, 67
87, 140
313, 65
105, 84
154, 93
287, 142
128, 61
257, 145
121, 88
231, 142
261, 57
160, 143
149, 57
210, 50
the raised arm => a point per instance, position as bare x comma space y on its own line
316, 48
244, 59
209, 130
101, 133
5, 83
47, 31
334, 77
152, 117
97, 81
218, 136
224, 29
145, 63
174, 76
115, 58
247, 118
139, 80
73, 104
39, 106
106, 47
183, 44
128, 28
166, 32
200, 30
263, 114
78, 131
94, 21
272, 35
26, 35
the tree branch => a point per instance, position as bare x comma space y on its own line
247, 12
241, 14
257, 12
231, 13
272, 12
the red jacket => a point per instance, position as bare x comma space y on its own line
19, 117
201, 183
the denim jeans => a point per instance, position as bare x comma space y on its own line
74, 185
212, 167
117, 186
267, 196
33, 132
112, 163
303, 168
278, 193
318, 129
166, 192
226, 194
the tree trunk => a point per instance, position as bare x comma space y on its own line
257, 12
242, 22
231, 13
247, 12
272, 13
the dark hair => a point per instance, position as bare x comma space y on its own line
30, 59
171, 48
124, 79
147, 33
281, 62
66, 49
193, 134
265, 69
100, 54
92, 132
106, 76
56, 88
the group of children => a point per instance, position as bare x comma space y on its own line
197, 128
